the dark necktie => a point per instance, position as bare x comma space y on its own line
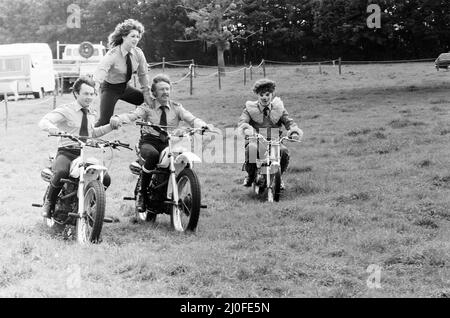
163, 122
129, 68
266, 111
84, 123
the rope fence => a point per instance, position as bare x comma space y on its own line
192, 72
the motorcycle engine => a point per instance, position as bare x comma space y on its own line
64, 207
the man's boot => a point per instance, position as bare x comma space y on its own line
251, 171
141, 203
50, 201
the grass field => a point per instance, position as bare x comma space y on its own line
369, 185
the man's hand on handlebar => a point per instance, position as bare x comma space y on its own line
115, 122
53, 131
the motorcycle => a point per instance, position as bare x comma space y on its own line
174, 187
268, 168
81, 201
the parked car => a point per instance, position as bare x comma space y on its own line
443, 61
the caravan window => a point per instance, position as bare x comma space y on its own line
11, 64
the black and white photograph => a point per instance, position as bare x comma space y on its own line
225, 153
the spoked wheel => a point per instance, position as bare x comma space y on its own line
184, 216
90, 226
276, 185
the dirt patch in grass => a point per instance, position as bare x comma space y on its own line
403, 122
357, 132
424, 163
441, 182
304, 169
426, 223
379, 135
432, 257
353, 198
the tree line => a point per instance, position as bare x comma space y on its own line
245, 30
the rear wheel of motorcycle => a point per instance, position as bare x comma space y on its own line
184, 216
90, 226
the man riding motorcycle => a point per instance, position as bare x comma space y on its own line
162, 111
77, 118
264, 114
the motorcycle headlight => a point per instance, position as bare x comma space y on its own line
135, 168
46, 175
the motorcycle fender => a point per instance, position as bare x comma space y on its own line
187, 158
274, 167
95, 168
93, 172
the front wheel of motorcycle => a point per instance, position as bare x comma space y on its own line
184, 216
90, 225
275, 188
276, 185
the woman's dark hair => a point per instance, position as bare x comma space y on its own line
80, 81
123, 29
264, 85
159, 78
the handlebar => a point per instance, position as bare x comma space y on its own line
92, 142
259, 136
187, 130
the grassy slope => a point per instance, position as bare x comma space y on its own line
369, 185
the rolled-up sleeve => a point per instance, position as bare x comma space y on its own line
287, 121
103, 68
187, 117
142, 71
50, 120
139, 112
102, 130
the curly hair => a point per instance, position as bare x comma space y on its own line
264, 85
159, 78
123, 29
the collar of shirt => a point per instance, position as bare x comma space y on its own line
261, 107
125, 52
159, 105
78, 107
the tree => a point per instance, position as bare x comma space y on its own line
212, 23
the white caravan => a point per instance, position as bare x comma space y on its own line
26, 68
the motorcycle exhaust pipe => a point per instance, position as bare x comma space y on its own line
35, 205
203, 206
129, 198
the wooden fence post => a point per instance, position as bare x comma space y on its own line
163, 64
55, 92
340, 62
245, 75
264, 67
191, 70
251, 71
5, 98
218, 72
193, 66
320, 68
